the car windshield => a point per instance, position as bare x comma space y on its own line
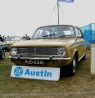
54, 32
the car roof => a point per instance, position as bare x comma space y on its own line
55, 25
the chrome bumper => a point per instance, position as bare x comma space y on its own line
40, 58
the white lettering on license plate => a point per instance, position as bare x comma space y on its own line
33, 62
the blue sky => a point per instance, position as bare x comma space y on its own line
18, 17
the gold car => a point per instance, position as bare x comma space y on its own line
53, 46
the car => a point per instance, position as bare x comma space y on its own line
51, 46
11, 40
2, 53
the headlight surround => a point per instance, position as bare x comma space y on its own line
14, 51
61, 51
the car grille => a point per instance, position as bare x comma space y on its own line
37, 51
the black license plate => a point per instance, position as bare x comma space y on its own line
37, 62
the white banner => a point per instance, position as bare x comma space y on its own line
41, 73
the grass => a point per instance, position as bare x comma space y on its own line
81, 85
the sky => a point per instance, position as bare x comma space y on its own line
20, 17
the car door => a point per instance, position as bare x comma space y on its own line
81, 44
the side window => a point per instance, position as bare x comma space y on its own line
78, 33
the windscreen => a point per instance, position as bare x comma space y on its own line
54, 32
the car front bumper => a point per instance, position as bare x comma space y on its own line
50, 61
41, 58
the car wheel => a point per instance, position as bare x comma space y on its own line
73, 66
2, 56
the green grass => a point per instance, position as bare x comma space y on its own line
81, 82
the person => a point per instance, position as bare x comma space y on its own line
7, 38
1, 39
23, 38
26, 37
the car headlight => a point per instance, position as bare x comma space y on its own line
61, 51
14, 51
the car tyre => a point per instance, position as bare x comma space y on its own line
73, 66
2, 56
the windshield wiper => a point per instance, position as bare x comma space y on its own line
61, 35
65, 36
45, 35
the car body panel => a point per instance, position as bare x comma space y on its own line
44, 42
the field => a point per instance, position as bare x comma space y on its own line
81, 85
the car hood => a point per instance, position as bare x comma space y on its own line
44, 42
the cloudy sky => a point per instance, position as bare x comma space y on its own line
19, 17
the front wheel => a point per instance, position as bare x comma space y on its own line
73, 66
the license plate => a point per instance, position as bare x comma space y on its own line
37, 62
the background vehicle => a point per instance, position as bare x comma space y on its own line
11, 40
2, 54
